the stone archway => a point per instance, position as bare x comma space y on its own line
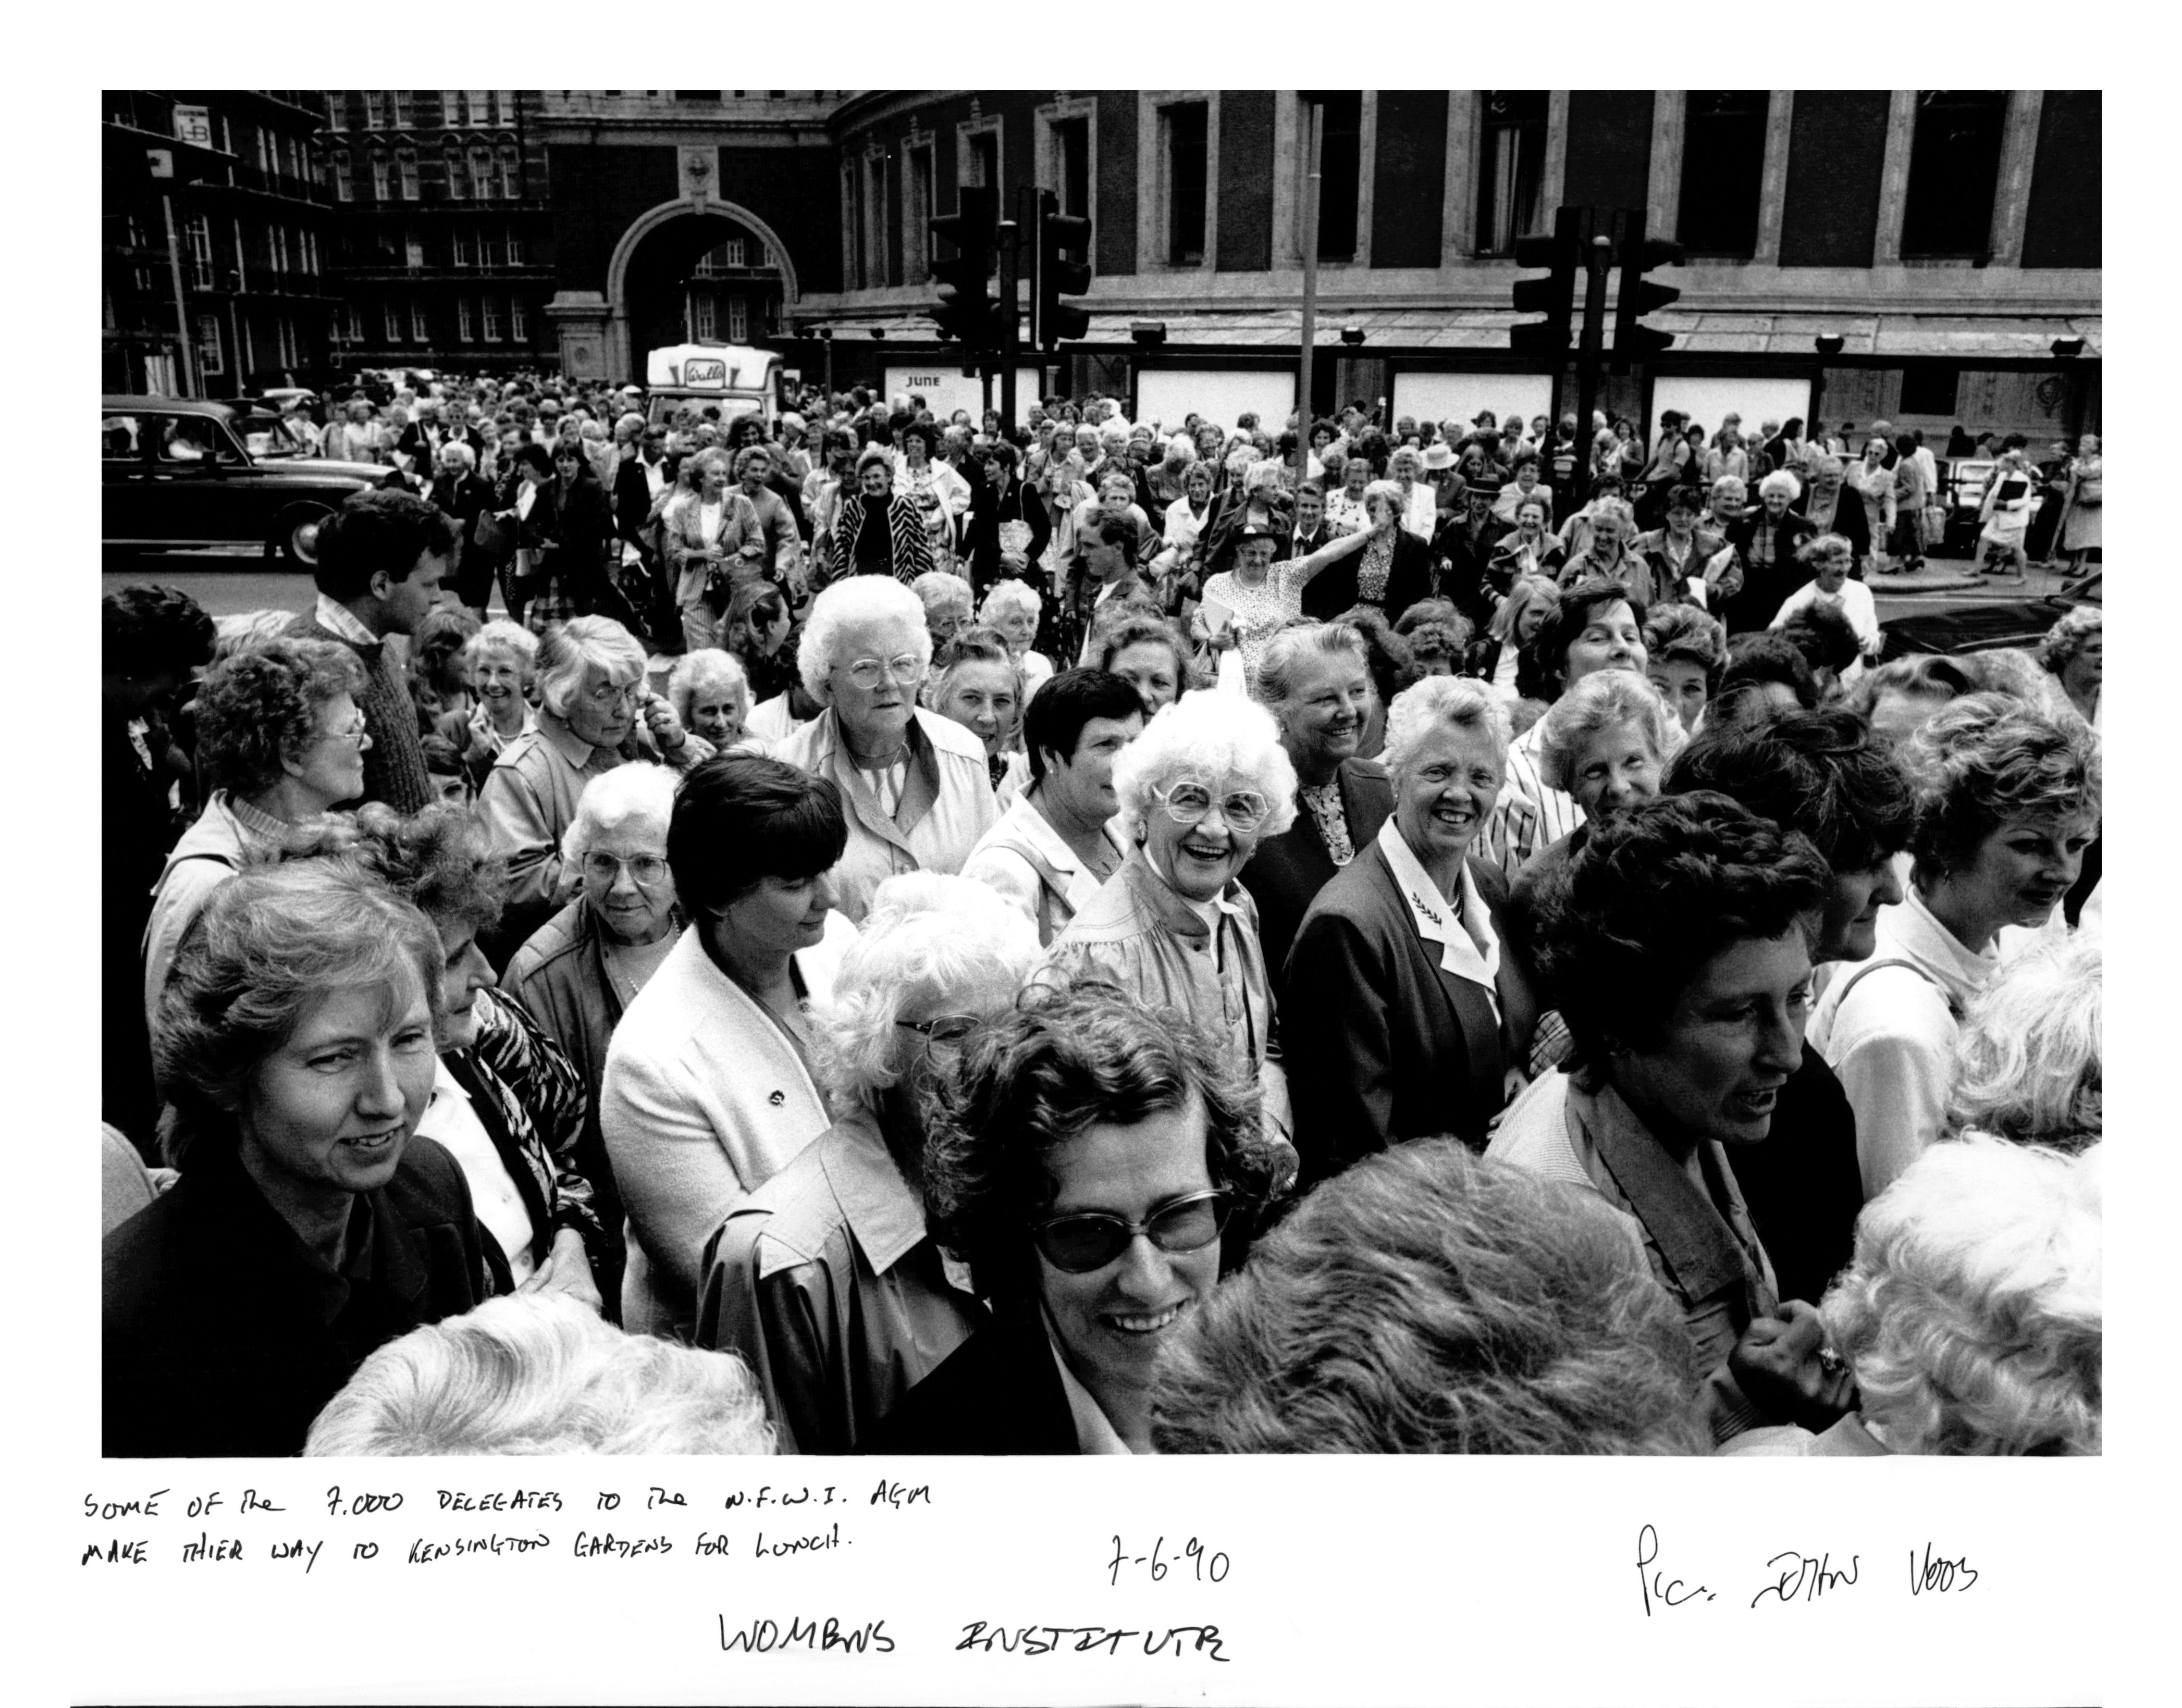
599, 335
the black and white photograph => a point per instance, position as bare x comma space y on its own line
965, 778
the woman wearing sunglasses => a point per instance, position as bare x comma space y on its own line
1101, 1164
915, 783
824, 1279
1199, 790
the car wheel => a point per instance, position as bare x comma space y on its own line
296, 537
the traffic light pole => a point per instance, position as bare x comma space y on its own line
1010, 340
1597, 262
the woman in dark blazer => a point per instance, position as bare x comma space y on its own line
1398, 1003
1092, 1159
1393, 571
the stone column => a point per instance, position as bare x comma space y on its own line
2011, 201
1773, 179
581, 318
1894, 178
1457, 218
1663, 194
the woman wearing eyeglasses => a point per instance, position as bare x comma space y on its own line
1199, 790
824, 1279
709, 1087
1099, 1164
594, 713
915, 783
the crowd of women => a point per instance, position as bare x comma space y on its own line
1330, 969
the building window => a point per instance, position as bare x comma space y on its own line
1954, 169
481, 174
1511, 168
336, 109
511, 175
375, 109
1723, 168
249, 344
406, 160
1188, 160
479, 110
1341, 167
852, 227
393, 321
458, 183
413, 250
493, 330
518, 322
1930, 388
290, 354
506, 114
212, 354
980, 158
1071, 153
311, 253
738, 319
419, 329
279, 234
404, 110
875, 203
917, 213
355, 324
703, 322
462, 247
382, 178
488, 248
198, 229
465, 320
450, 108
515, 248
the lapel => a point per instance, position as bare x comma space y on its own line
1692, 1237
1467, 1009
857, 794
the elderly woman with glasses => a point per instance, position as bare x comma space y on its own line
825, 1279
2007, 798
590, 691
1100, 1164
312, 1224
1400, 1007
1199, 790
709, 1088
915, 783
281, 743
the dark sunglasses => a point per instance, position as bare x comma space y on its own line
1090, 1240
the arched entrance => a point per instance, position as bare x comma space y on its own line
694, 269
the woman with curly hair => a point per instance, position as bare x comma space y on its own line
2006, 800
824, 1279
1677, 943
1685, 653
1099, 1164
2074, 652
506, 1100
281, 743
1971, 1319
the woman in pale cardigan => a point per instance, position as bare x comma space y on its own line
708, 1090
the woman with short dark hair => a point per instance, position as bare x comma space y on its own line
708, 1089
1098, 1164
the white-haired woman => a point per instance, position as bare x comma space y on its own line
824, 1277
458, 488
500, 661
1971, 1320
710, 694
1399, 1008
2074, 652
1610, 553
979, 686
915, 783
534, 1374
950, 605
2028, 1065
2006, 800
704, 526
1420, 505
1013, 607
1829, 558
281, 743
1199, 790
590, 689
1749, 576
708, 1088
580, 969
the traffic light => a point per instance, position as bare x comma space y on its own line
1053, 275
1638, 297
1554, 296
964, 311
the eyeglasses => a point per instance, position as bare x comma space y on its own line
605, 693
943, 1029
603, 867
1187, 802
903, 666
1090, 1240
355, 731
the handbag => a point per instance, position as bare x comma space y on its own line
491, 533
2091, 490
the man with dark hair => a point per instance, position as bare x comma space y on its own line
1826, 775
1057, 843
152, 640
382, 556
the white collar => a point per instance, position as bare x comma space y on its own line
1469, 949
1094, 1431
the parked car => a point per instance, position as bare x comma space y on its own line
1981, 626
178, 472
